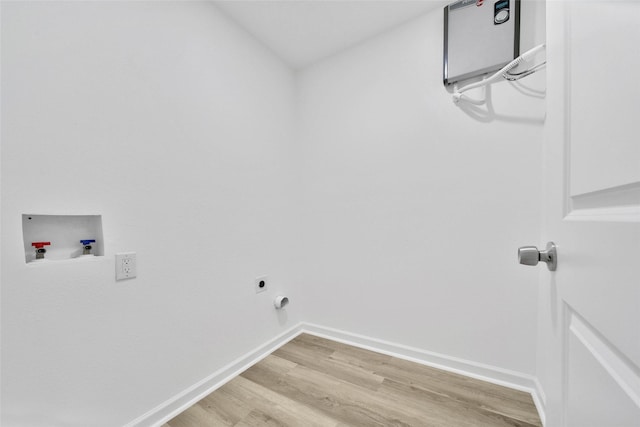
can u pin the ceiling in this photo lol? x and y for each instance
(302, 32)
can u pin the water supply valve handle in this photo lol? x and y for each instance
(86, 246)
(40, 250)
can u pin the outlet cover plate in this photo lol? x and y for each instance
(126, 266)
(261, 284)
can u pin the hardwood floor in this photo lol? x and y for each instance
(312, 381)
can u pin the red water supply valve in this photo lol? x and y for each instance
(40, 250)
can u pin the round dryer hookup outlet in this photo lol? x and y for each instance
(261, 284)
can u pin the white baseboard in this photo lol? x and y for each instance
(183, 400)
(540, 399)
(512, 379)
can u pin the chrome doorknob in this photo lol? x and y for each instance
(530, 255)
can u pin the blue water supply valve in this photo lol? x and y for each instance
(86, 249)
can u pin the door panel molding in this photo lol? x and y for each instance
(620, 203)
(621, 370)
(601, 178)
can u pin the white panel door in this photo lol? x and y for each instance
(589, 337)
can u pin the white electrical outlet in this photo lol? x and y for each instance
(126, 265)
(261, 284)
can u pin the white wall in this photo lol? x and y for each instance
(176, 127)
(415, 207)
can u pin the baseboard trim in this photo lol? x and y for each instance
(540, 399)
(177, 404)
(504, 377)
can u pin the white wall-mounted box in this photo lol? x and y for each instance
(480, 36)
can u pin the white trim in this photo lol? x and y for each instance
(183, 400)
(493, 374)
(540, 400)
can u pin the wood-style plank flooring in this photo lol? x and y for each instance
(312, 381)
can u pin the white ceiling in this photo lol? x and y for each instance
(302, 32)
